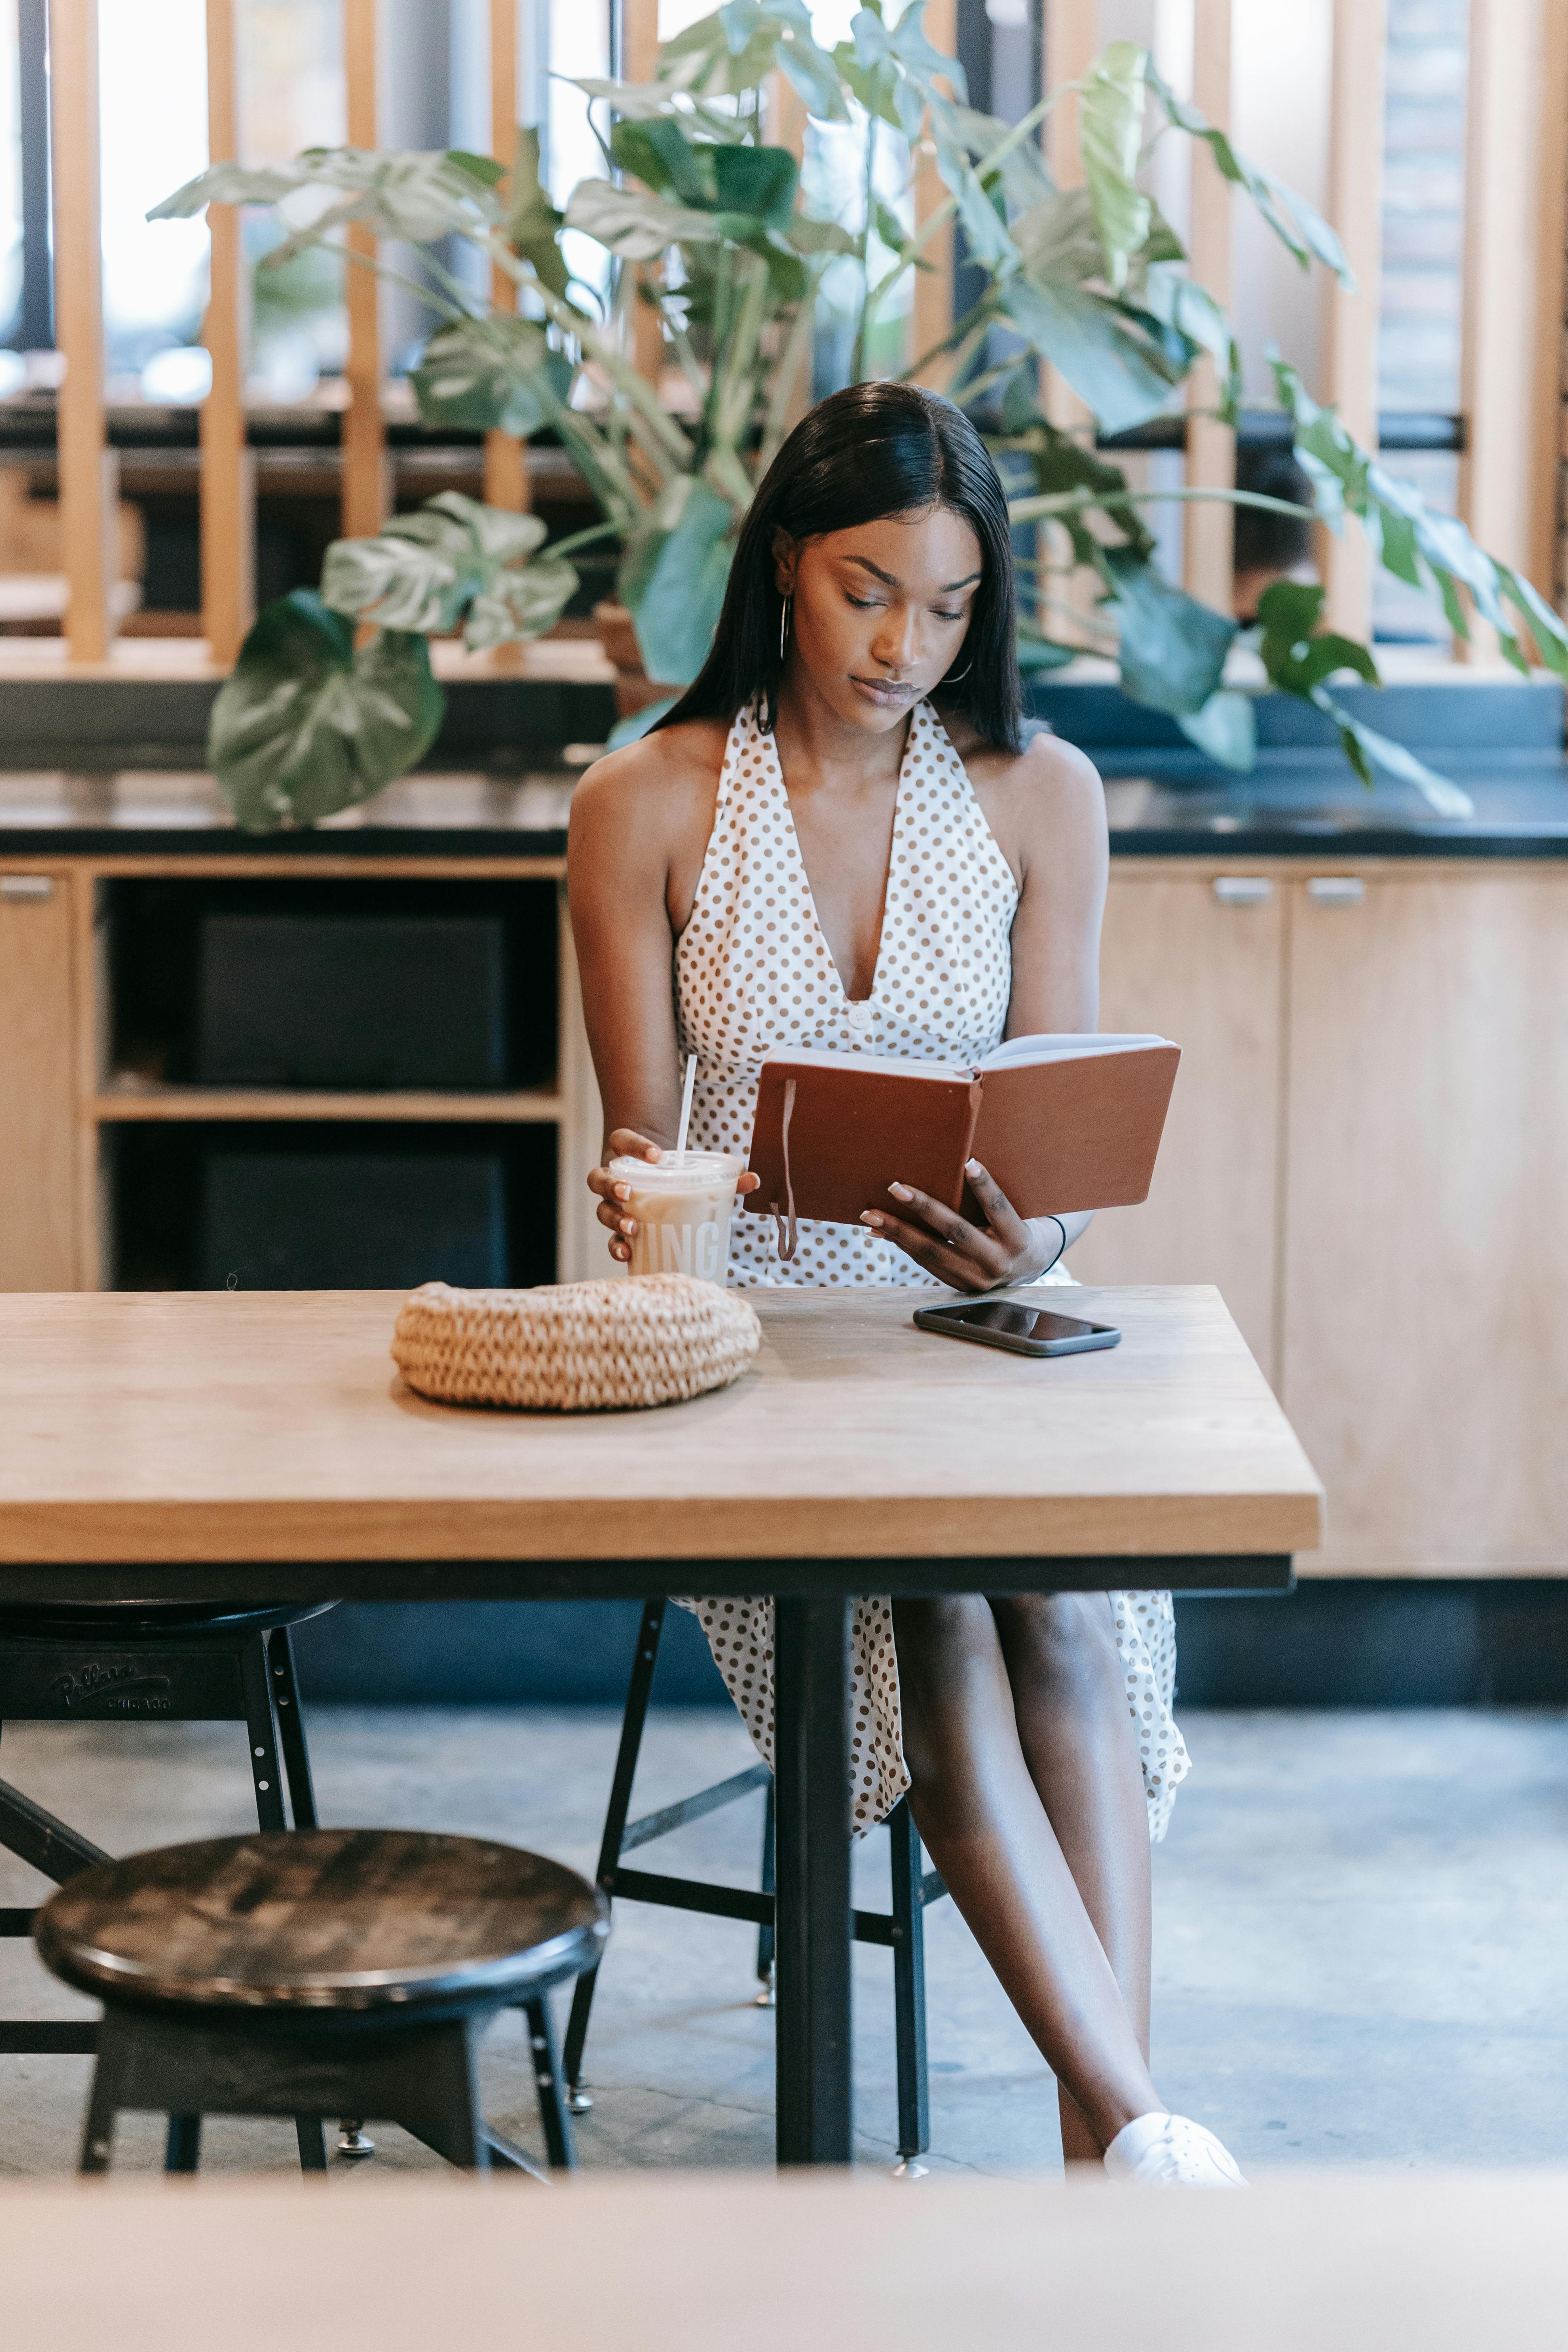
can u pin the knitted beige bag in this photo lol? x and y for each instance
(575, 1347)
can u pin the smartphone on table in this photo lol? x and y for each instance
(1023, 1328)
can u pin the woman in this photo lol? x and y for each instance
(840, 837)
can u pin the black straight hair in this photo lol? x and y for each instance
(874, 450)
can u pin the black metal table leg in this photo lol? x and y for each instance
(811, 1687)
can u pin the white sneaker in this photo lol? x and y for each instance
(1172, 2152)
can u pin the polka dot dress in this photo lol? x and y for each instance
(752, 971)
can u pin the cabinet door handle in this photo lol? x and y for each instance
(1336, 890)
(27, 886)
(1243, 889)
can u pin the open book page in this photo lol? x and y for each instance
(898, 1065)
(1065, 1046)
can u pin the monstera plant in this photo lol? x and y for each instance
(701, 220)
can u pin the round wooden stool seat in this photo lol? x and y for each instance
(354, 1922)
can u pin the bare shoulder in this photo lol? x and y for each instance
(665, 783)
(1048, 796)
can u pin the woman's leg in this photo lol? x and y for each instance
(1069, 1695)
(988, 1833)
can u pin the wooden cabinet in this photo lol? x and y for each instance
(1196, 954)
(1425, 1231)
(1368, 1152)
(37, 1083)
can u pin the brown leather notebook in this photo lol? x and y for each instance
(1063, 1123)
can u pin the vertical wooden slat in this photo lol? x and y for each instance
(786, 127)
(1355, 208)
(367, 488)
(1547, 445)
(1208, 528)
(229, 473)
(506, 457)
(932, 294)
(86, 469)
(639, 62)
(1513, 261)
(1069, 46)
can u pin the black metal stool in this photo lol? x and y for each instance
(902, 1927)
(320, 1972)
(145, 1662)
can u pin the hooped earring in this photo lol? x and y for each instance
(959, 674)
(783, 622)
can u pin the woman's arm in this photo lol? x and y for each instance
(618, 875)
(640, 821)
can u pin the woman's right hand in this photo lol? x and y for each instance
(625, 1143)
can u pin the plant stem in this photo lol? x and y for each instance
(584, 538)
(1064, 502)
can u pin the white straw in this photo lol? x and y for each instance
(686, 1101)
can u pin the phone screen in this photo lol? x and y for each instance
(1018, 1321)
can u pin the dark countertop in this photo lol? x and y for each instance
(1297, 805)
(103, 769)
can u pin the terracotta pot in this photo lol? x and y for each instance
(634, 687)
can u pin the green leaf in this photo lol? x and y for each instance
(456, 557)
(889, 227)
(635, 725)
(1062, 464)
(1173, 647)
(984, 228)
(821, 236)
(532, 224)
(1365, 749)
(1303, 231)
(1110, 129)
(397, 583)
(810, 73)
(1299, 662)
(674, 578)
(1122, 377)
(1190, 310)
(1036, 653)
(306, 725)
(665, 159)
(230, 183)
(761, 181)
(1417, 545)
(1226, 728)
(924, 64)
(1021, 176)
(521, 604)
(1058, 238)
(414, 195)
(496, 372)
(638, 227)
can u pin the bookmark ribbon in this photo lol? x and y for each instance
(784, 1221)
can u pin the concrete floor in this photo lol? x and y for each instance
(1360, 1926)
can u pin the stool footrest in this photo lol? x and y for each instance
(505, 2155)
(692, 1809)
(730, 1903)
(39, 1837)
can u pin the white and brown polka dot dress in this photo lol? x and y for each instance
(752, 971)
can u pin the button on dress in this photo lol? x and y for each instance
(752, 971)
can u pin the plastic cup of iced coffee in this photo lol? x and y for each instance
(683, 1204)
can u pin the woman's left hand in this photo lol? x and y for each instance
(967, 1257)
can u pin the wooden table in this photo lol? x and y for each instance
(1349, 2261)
(260, 1445)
